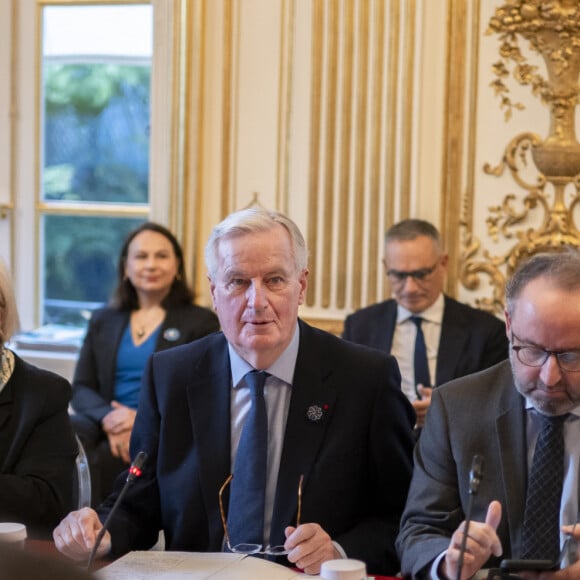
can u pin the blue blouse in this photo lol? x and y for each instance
(131, 361)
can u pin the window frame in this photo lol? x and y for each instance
(20, 231)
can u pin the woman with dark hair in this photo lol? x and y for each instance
(151, 309)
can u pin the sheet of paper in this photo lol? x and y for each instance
(256, 568)
(167, 565)
(151, 565)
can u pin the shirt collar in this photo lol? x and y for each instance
(433, 313)
(282, 368)
(530, 407)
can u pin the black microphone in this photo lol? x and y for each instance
(135, 471)
(475, 475)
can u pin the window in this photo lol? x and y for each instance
(94, 149)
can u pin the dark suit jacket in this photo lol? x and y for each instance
(356, 460)
(471, 339)
(37, 449)
(94, 378)
(490, 422)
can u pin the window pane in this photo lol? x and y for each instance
(80, 264)
(96, 91)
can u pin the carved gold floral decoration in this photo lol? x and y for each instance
(551, 28)
(548, 170)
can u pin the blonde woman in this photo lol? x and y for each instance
(37, 446)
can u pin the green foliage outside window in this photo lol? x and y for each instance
(96, 132)
(96, 149)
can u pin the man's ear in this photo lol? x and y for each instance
(212, 291)
(303, 281)
(508, 324)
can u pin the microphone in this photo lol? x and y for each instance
(135, 472)
(475, 476)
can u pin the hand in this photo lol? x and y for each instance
(482, 542)
(421, 406)
(76, 534)
(308, 546)
(119, 445)
(119, 419)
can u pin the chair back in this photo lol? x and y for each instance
(83, 478)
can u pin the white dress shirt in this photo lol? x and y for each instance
(403, 347)
(277, 394)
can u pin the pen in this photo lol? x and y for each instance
(418, 393)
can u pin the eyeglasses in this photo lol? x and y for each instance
(400, 276)
(534, 356)
(253, 549)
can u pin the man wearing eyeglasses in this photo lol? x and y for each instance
(433, 337)
(522, 417)
(269, 438)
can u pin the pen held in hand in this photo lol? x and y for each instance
(418, 392)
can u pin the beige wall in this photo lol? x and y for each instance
(332, 111)
(352, 114)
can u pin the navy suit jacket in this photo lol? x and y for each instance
(471, 339)
(94, 378)
(356, 460)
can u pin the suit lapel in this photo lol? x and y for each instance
(173, 329)
(390, 322)
(511, 439)
(209, 407)
(311, 408)
(170, 327)
(453, 338)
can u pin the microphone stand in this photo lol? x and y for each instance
(475, 476)
(135, 471)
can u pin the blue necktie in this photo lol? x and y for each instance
(420, 364)
(541, 529)
(248, 489)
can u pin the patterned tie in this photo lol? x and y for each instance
(420, 360)
(248, 488)
(541, 530)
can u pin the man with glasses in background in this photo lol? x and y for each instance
(522, 417)
(271, 437)
(433, 337)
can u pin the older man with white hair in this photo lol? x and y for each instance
(315, 431)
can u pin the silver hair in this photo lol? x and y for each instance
(250, 220)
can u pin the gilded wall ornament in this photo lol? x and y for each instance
(547, 169)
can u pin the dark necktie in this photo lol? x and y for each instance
(420, 363)
(541, 530)
(248, 489)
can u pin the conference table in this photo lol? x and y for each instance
(47, 548)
